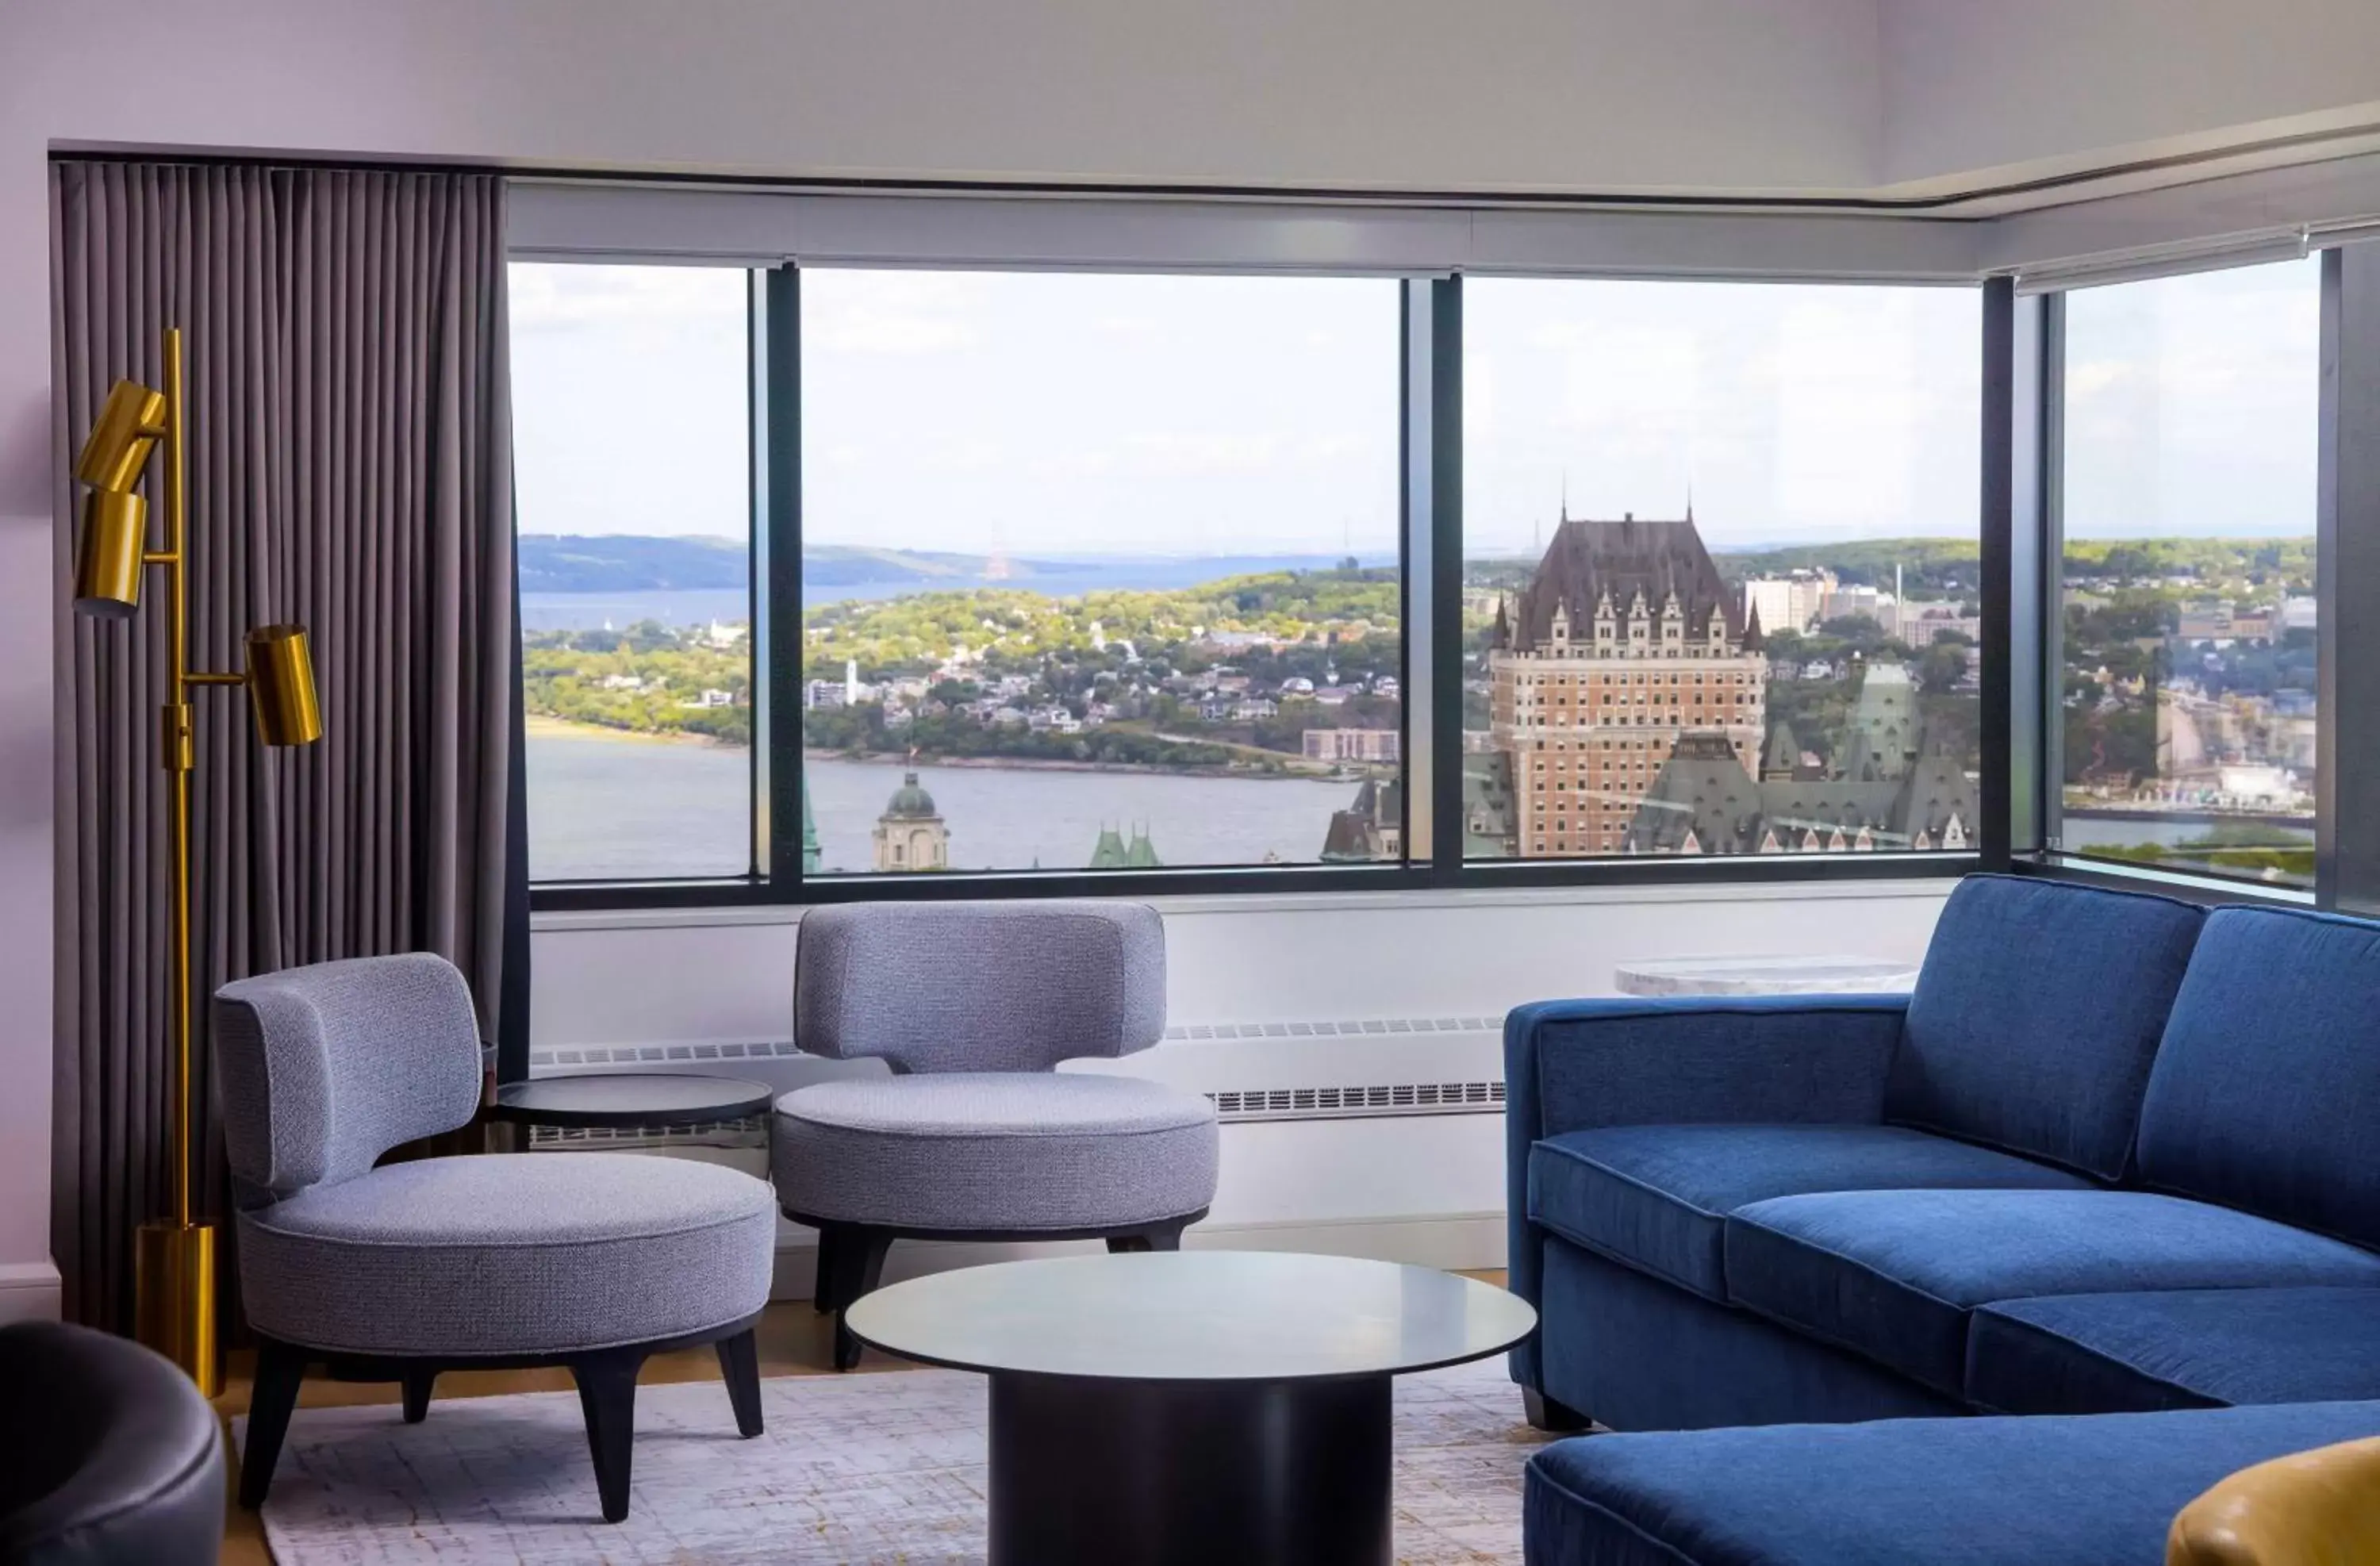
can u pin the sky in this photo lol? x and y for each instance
(1060, 413)
(2192, 404)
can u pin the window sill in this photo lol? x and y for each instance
(2210, 890)
(1919, 884)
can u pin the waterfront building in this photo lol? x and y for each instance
(1624, 638)
(1382, 745)
(911, 834)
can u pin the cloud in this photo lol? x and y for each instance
(554, 295)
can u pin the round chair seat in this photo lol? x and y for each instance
(525, 1254)
(994, 1152)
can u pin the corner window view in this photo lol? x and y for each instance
(632, 442)
(1721, 568)
(1099, 572)
(2189, 584)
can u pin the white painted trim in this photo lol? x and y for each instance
(1456, 1241)
(1931, 888)
(627, 220)
(29, 1291)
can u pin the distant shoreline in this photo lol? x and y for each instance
(1046, 764)
(564, 728)
(537, 725)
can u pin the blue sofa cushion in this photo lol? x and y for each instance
(1904, 1492)
(1657, 1196)
(2266, 1091)
(2186, 1348)
(2036, 1015)
(1893, 1274)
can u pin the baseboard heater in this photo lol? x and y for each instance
(1340, 1093)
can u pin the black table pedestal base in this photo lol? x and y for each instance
(1130, 1472)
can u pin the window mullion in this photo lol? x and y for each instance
(782, 563)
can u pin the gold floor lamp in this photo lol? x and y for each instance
(174, 1270)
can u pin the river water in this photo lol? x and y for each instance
(604, 809)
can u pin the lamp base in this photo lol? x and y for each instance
(174, 1298)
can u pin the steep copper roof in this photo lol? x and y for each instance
(1587, 560)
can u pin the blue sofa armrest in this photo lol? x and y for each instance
(1574, 1066)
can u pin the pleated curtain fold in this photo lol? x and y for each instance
(350, 468)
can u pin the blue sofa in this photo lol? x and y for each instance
(2116, 1155)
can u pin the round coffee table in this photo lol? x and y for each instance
(631, 1100)
(1199, 1407)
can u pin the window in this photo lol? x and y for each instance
(632, 470)
(1099, 572)
(1723, 539)
(2188, 695)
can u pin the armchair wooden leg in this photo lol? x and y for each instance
(830, 1267)
(607, 1392)
(739, 1366)
(279, 1369)
(864, 1269)
(416, 1385)
(1166, 1236)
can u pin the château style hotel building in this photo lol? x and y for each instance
(1624, 640)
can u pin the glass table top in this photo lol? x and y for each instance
(1193, 1315)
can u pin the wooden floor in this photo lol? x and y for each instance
(795, 1340)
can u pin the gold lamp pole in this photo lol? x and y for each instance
(174, 1273)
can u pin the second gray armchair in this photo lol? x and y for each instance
(975, 1134)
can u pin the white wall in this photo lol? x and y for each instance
(1426, 1188)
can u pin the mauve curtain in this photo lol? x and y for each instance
(350, 468)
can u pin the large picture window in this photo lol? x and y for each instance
(2188, 694)
(632, 455)
(1101, 572)
(1721, 572)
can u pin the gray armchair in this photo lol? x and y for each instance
(590, 1260)
(976, 1136)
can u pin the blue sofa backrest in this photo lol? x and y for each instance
(2266, 1094)
(2036, 1017)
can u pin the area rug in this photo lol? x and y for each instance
(881, 1467)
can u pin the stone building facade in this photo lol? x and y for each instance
(1624, 640)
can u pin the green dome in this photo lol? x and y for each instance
(910, 801)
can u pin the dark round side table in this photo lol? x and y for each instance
(626, 1100)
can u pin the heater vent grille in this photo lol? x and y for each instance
(1180, 1033)
(1319, 1100)
(1331, 1103)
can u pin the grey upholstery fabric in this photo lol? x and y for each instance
(995, 1152)
(979, 986)
(536, 1253)
(350, 470)
(326, 1068)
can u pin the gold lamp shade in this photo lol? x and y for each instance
(108, 559)
(281, 686)
(122, 438)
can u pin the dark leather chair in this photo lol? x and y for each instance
(107, 1454)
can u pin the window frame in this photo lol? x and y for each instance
(2347, 862)
(1430, 447)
